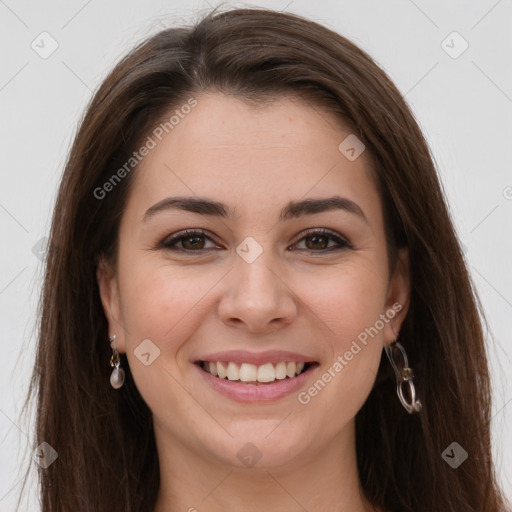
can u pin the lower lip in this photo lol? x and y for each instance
(256, 393)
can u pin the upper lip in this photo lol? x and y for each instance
(257, 358)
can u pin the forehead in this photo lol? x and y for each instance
(253, 157)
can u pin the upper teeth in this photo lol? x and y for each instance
(247, 372)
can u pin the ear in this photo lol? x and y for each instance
(110, 299)
(398, 297)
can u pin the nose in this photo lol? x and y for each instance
(257, 298)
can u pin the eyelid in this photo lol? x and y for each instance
(338, 238)
(170, 241)
(176, 237)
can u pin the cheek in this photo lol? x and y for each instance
(159, 298)
(163, 305)
(349, 304)
(346, 298)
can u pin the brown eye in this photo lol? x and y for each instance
(195, 241)
(191, 241)
(319, 241)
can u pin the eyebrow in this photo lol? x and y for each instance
(293, 209)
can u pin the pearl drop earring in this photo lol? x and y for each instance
(117, 376)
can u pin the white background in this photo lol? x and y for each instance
(463, 105)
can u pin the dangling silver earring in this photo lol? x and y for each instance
(404, 375)
(117, 376)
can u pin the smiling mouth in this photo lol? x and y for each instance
(256, 375)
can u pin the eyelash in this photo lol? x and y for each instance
(169, 243)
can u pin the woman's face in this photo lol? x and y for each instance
(255, 281)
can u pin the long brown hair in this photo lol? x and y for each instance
(104, 437)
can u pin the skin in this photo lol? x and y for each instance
(313, 302)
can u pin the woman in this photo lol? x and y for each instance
(249, 219)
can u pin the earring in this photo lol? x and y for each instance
(404, 375)
(117, 376)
